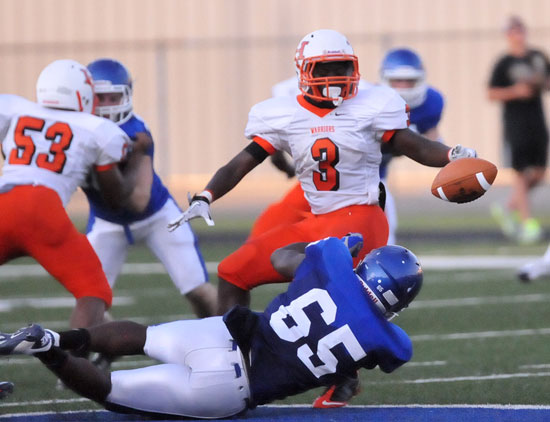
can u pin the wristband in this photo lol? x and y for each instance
(205, 196)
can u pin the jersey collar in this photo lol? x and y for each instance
(321, 112)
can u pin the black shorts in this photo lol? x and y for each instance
(528, 144)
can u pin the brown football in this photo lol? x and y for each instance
(464, 180)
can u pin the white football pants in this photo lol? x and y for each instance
(178, 250)
(203, 374)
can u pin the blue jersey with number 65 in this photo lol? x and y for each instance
(324, 327)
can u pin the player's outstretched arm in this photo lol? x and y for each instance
(225, 179)
(228, 176)
(425, 151)
(420, 148)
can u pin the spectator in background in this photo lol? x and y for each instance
(517, 81)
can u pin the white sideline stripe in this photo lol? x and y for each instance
(41, 402)
(7, 305)
(282, 406)
(427, 363)
(540, 366)
(28, 360)
(483, 181)
(471, 378)
(481, 300)
(481, 334)
(474, 262)
(35, 270)
(64, 324)
(430, 262)
(430, 406)
(144, 362)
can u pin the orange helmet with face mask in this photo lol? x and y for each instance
(326, 46)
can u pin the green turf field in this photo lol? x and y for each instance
(479, 335)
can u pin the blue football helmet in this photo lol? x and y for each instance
(111, 76)
(391, 276)
(405, 64)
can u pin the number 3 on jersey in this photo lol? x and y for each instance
(53, 160)
(342, 335)
(326, 153)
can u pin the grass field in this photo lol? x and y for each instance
(480, 336)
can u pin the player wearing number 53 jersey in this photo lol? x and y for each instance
(334, 135)
(332, 320)
(49, 148)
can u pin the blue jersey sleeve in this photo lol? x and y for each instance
(159, 192)
(134, 126)
(427, 115)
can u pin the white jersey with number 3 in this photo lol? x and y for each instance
(336, 151)
(54, 148)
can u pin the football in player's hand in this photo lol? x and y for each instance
(464, 180)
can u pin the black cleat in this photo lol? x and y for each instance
(26, 341)
(6, 388)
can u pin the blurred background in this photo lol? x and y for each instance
(198, 67)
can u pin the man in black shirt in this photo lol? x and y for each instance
(518, 79)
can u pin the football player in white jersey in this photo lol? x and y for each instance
(334, 134)
(49, 148)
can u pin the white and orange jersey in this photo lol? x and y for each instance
(54, 148)
(336, 151)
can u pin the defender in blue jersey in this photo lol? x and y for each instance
(402, 69)
(113, 233)
(332, 320)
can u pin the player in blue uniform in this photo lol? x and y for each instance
(402, 69)
(332, 320)
(112, 233)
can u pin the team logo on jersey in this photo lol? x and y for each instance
(320, 129)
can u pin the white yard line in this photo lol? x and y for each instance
(7, 305)
(467, 378)
(480, 300)
(481, 334)
(468, 262)
(293, 406)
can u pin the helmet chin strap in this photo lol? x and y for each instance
(333, 92)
